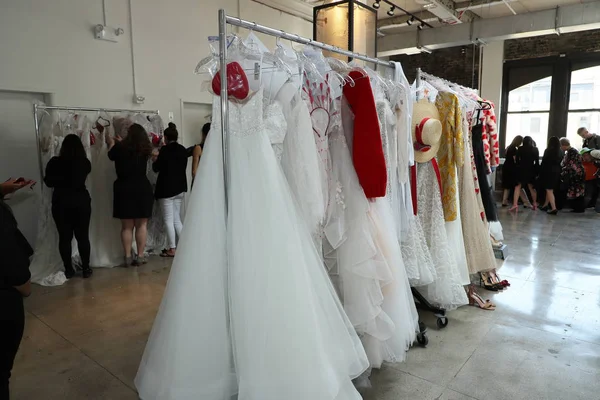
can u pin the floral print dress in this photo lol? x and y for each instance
(573, 174)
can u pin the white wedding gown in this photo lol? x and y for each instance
(290, 338)
(446, 291)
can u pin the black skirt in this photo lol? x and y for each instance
(133, 199)
(550, 178)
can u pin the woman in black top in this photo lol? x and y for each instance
(14, 285)
(196, 151)
(550, 173)
(71, 202)
(528, 160)
(510, 177)
(171, 165)
(133, 198)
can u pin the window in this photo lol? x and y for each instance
(584, 103)
(529, 111)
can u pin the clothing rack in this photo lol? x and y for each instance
(38, 107)
(225, 20)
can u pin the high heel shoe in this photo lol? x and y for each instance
(475, 298)
(87, 272)
(552, 212)
(486, 282)
(69, 272)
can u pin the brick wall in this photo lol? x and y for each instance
(552, 45)
(454, 64)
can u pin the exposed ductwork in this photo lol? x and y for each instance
(573, 18)
(442, 9)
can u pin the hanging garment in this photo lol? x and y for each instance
(446, 291)
(450, 158)
(300, 160)
(478, 247)
(367, 155)
(287, 325)
(46, 265)
(354, 258)
(487, 197)
(105, 231)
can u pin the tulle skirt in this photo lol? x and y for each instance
(292, 339)
(188, 355)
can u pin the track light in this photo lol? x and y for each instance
(410, 21)
(420, 27)
(391, 12)
(376, 4)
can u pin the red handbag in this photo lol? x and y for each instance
(237, 82)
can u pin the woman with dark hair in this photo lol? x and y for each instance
(196, 151)
(133, 198)
(71, 202)
(171, 165)
(528, 161)
(550, 174)
(573, 176)
(510, 178)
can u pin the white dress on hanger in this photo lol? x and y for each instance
(46, 265)
(105, 231)
(290, 337)
(447, 290)
(300, 159)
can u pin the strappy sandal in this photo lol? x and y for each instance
(483, 304)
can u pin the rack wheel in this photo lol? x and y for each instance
(422, 339)
(442, 322)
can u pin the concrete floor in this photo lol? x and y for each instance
(84, 340)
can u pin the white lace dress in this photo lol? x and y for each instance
(300, 160)
(290, 337)
(446, 291)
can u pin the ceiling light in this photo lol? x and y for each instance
(420, 27)
(391, 12)
(376, 4)
(410, 21)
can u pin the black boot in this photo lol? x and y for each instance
(87, 272)
(69, 272)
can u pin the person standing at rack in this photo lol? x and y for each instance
(71, 202)
(510, 177)
(133, 198)
(196, 151)
(14, 284)
(550, 174)
(171, 165)
(573, 176)
(528, 161)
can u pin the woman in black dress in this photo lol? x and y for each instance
(550, 173)
(196, 151)
(71, 202)
(528, 161)
(510, 177)
(133, 198)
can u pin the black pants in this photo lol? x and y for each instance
(72, 217)
(591, 193)
(12, 322)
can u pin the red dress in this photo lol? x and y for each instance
(367, 152)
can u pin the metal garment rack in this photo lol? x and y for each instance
(225, 20)
(37, 108)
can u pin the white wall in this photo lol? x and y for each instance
(47, 46)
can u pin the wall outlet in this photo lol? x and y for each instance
(171, 117)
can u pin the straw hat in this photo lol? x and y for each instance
(426, 131)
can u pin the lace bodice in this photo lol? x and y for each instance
(245, 119)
